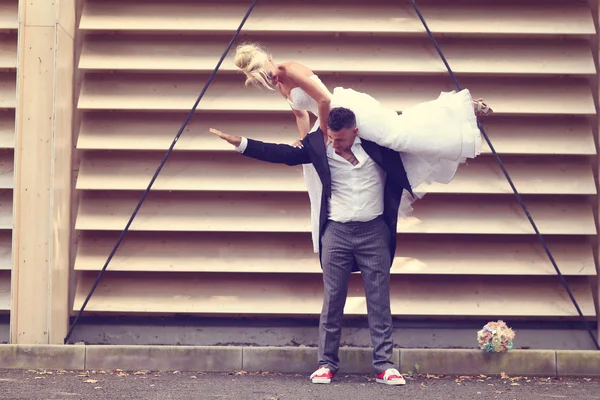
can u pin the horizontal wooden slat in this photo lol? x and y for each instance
(4, 291)
(5, 250)
(292, 253)
(231, 171)
(7, 129)
(302, 295)
(540, 136)
(381, 55)
(8, 84)
(8, 14)
(155, 131)
(6, 169)
(8, 49)
(289, 212)
(227, 93)
(491, 18)
(6, 208)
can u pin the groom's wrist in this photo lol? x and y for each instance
(241, 144)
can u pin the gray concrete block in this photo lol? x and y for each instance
(164, 358)
(304, 359)
(475, 362)
(56, 357)
(578, 363)
(360, 360)
(280, 359)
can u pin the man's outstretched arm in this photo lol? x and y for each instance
(270, 152)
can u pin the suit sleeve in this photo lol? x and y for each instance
(275, 153)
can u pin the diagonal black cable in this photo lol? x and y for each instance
(562, 279)
(137, 208)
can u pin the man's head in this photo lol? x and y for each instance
(341, 128)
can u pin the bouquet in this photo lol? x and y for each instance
(495, 337)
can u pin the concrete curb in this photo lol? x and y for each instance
(296, 360)
(42, 357)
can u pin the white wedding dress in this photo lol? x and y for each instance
(433, 138)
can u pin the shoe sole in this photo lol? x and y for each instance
(391, 383)
(321, 380)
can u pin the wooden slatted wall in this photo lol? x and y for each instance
(8, 78)
(222, 235)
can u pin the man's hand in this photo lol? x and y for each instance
(234, 140)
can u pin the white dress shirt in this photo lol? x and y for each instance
(356, 190)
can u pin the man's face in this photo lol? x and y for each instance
(342, 140)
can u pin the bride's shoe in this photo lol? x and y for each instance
(481, 108)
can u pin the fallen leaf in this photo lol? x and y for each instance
(98, 387)
(515, 384)
(91, 381)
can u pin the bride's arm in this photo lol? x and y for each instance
(313, 90)
(302, 121)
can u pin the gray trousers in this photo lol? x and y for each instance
(368, 244)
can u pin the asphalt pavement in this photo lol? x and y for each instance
(16, 384)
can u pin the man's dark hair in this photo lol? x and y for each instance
(339, 118)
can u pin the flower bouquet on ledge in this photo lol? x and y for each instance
(495, 337)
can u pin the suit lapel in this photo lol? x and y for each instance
(373, 151)
(318, 144)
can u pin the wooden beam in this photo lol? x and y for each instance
(483, 18)
(596, 47)
(41, 262)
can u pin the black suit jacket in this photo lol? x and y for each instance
(314, 152)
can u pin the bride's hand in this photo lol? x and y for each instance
(297, 144)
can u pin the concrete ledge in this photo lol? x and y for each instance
(578, 363)
(304, 359)
(474, 362)
(296, 359)
(164, 358)
(281, 359)
(42, 357)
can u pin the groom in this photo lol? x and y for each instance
(362, 187)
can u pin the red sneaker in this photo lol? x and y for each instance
(322, 375)
(391, 376)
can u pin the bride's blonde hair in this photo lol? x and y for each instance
(251, 59)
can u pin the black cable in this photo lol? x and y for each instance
(137, 208)
(562, 279)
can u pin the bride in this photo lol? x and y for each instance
(433, 138)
